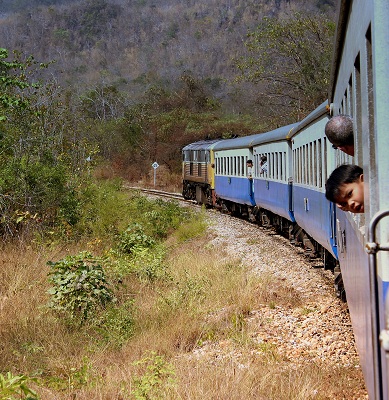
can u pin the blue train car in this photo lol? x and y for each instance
(232, 186)
(360, 87)
(312, 165)
(273, 185)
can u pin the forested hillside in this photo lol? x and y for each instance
(137, 43)
(106, 87)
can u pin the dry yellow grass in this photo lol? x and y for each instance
(205, 301)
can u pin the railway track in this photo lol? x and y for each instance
(161, 193)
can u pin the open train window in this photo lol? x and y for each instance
(358, 110)
(310, 172)
(314, 165)
(325, 167)
(281, 167)
(275, 165)
(370, 98)
(320, 161)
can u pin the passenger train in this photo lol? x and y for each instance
(290, 194)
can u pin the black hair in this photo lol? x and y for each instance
(249, 161)
(263, 158)
(346, 173)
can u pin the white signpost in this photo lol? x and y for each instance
(155, 165)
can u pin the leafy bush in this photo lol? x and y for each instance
(158, 376)
(134, 238)
(79, 287)
(13, 387)
(164, 217)
(149, 265)
(102, 207)
(117, 324)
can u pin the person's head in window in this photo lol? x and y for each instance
(345, 188)
(249, 164)
(340, 132)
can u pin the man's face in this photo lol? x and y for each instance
(348, 149)
(351, 197)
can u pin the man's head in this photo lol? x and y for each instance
(249, 163)
(340, 132)
(345, 188)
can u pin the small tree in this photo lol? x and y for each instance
(290, 57)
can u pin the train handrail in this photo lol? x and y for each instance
(372, 248)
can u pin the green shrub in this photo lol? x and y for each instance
(102, 207)
(117, 324)
(188, 293)
(149, 265)
(158, 376)
(164, 217)
(14, 387)
(134, 238)
(79, 286)
(193, 228)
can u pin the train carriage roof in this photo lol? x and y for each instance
(253, 140)
(312, 117)
(201, 145)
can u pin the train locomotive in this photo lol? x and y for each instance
(290, 195)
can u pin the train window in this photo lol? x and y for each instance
(302, 158)
(350, 96)
(319, 163)
(303, 164)
(306, 162)
(199, 165)
(325, 158)
(242, 165)
(271, 165)
(276, 165)
(281, 168)
(314, 164)
(370, 94)
(310, 160)
(358, 109)
(345, 103)
(191, 168)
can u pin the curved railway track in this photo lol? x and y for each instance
(161, 193)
